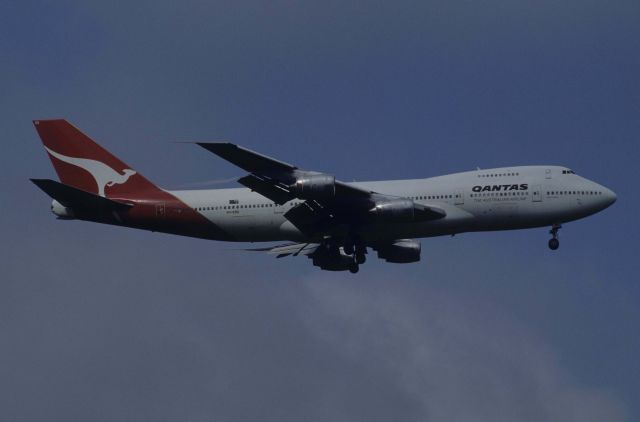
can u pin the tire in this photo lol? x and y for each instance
(348, 249)
(554, 244)
(361, 258)
(354, 268)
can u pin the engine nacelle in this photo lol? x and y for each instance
(397, 210)
(61, 211)
(314, 186)
(401, 251)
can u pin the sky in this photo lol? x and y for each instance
(104, 323)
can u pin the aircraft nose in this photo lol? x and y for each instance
(610, 196)
(607, 198)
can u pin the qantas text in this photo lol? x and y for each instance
(497, 188)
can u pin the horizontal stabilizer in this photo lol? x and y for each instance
(78, 199)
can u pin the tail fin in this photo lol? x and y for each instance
(85, 165)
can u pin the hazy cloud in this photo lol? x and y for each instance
(455, 360)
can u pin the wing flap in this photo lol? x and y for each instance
(309, 217)
(288, 249)
(267, 188)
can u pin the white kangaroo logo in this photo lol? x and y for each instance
(102, 173)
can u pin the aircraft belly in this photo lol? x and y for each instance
(521, 215)
(251, 228)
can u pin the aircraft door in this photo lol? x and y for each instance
(536, 193)
(458, 197)
(160, 210)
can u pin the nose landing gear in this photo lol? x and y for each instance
(554, 243)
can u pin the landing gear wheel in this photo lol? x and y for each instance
(554, 243)
(348, 249)
(353, 268)
(360, 258)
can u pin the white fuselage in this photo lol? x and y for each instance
(480, 200)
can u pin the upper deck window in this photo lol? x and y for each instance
(568, 172)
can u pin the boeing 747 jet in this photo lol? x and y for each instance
(333, 223)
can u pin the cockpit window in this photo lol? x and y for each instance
(568, 172)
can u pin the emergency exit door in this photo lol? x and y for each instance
(536, 193)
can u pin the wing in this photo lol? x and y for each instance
(246, 159)
(268, 176)
(328, 203)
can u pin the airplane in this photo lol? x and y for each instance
(333, 223)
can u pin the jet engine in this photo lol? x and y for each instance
(397, 210)
(314, 186)
(400, 251)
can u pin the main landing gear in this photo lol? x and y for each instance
(554, 243)
(359, 258)
(354, 268)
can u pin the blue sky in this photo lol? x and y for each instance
(106, 323)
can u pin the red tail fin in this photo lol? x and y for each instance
(83, 164)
